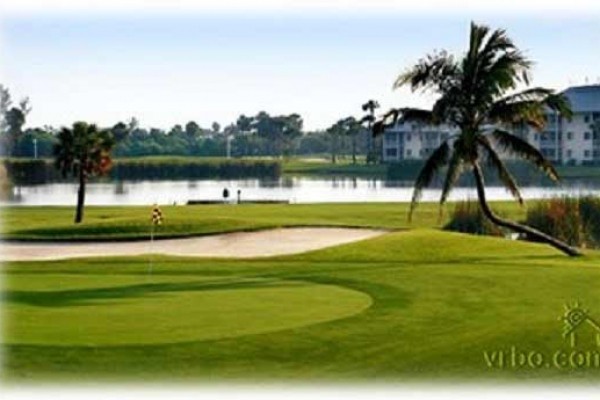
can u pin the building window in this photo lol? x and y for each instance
(586, 154)
(390, 137)
(549, 153)
(596, 153)
(408, 153)
(408, 137)
(586, 136)
(569, 153)
(569, 135)
(586, 118)
(548, 135)
(391, 152)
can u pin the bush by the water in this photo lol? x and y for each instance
(181, 168)
(589, 209)
(5, 185)
(28, 171)
(467, 217)
(574, 220)
(22, 170)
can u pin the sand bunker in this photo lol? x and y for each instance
(236, 245)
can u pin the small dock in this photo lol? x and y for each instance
(258, 201)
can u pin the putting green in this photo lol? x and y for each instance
(81, 310)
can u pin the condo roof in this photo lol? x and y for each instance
(584, 98)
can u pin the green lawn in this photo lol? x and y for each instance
(409, 305)
(113, 223)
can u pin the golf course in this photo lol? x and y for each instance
(412, 303)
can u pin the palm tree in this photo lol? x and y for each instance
(82, 152)
(477, 96)
(369, 107)
(352, 128)
(335, 131)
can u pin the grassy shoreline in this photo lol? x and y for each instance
(299, 166)
(133, 222)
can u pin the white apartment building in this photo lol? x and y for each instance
(562, 141)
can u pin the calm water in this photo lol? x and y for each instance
(295, 190)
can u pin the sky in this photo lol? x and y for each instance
(168, 68)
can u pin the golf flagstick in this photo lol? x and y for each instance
(151, 249)
(156, 220)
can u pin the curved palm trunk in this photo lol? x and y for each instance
(530, 232)
(80, 197)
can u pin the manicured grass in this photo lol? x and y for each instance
(113, 223)
(436, 302)
(128, 311)
(579, 171)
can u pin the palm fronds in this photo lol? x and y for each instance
(505, 176)
(430, 72)
(521, 148)
(455, 169)
(434, 163)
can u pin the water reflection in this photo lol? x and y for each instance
(292, 189)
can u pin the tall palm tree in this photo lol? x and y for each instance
(335, 132)
(369, 107)
(477, 95)
(82, 152)
(352, 128)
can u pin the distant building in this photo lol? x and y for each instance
(563, 141)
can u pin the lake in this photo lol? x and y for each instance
(294, 190)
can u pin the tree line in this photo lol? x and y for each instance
(249, 136)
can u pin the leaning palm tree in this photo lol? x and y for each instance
(82, 152)
(477, 97)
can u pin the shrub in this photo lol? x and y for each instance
(589, 210)
(28, 171)
(574, 220)
(467, 217)
(5, 184)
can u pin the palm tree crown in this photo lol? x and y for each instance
(478, 96)
(83, 151)
(83, 148)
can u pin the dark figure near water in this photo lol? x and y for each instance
(239, 196)
(225, 194)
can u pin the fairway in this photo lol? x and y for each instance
(94, 310)
(417, 304)
(112, 223)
